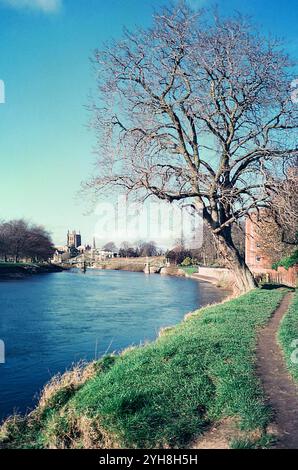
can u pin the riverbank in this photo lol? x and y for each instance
(219, 277)
(21, 270)
(49, 322)
(164, 394)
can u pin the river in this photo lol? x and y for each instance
(50, 321)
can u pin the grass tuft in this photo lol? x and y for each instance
(288, 337)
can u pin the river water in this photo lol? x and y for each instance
(50, 321)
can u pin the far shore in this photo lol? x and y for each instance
(13, 271)
(138, 265)
(22, 270)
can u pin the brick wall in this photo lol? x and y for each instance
(288, 277)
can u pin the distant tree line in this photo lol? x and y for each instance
(20, 240)
(130, 250)
(207, 254)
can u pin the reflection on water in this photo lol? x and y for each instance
(50, 321)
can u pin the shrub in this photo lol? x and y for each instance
(287, 262)
(187, 261)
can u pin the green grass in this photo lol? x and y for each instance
(167, 392)
(12, 265)
(189, 269)
(288, 337)
(288, 261)
(264, 442)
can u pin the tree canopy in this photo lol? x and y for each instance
(20, 239)
(196, 108)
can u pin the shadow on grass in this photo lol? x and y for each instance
(272, 286)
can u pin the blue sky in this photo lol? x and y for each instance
(45, 146)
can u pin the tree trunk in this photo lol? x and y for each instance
(244, 280)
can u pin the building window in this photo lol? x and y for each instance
(258, 259)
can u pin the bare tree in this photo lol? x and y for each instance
(238, 235)
(16, 238)
(4, 245)
(195, 109)
(19, 239)
(283, 205)
(278, 226)
(38, 245)
(270, 238)
(147, 248)
(178, 254)
(127, 250)
(110, 246)
(207, 254)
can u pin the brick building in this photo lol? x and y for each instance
(254, 257)
(259, 263)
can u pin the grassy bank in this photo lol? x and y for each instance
(19, 270)
(163, 394)
(9, 265)
(189, 270)
(288, 337)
